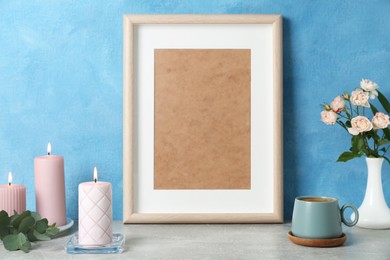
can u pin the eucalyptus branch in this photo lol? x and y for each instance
(18, 231)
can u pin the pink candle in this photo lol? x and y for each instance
(50, 187)
(95, 212)
(12, 197)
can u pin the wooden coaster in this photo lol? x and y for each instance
(317, 242)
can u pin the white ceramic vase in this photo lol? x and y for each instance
(374, 212)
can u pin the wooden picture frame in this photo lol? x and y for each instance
(137, 32)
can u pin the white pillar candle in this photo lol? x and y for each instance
(95, 212)
(12, 197)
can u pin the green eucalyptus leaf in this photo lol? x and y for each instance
(4, 232)
(41, 237)
(26, 224)
(4, 219)
(21, 238)
(384, 102)
(26, 246)
(3, 213)
(23, 243)
(11, 242)
(12, 218)
(41, 225)
(36, 216)
(13, 230)
(52, 230)
(30, 236)
(18, 219)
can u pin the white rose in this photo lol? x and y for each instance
(380, 120)
(328, 117)
(360, 98)
(360, 124)
(370, 87)
(337, 104)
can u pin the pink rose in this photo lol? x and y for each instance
(337, 104)
(328, 117)
(380, 120)
(360, 124)
(360, 98)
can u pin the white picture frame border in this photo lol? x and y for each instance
(130, 214)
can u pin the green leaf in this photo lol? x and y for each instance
(36, 216)
(21, 238)
(373, 134)
(41, 237)
(16, 221)
(357, 143)
(41, 225)
(13, 217)
(23, 243)
(26, 224)
(26, 246)
(3, 213)
(11, 242)
(383, 141)
(13, 230)
(384, 102)
(30, 236)
(386, 131)
(4, 219)
(52, 230)
(346, 156)
(4, 232)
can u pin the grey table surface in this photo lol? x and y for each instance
(236, 241)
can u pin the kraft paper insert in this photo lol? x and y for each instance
(202, 119)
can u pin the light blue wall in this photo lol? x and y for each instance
(61, 81)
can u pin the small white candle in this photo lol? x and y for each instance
(12, 197)
(95, 212)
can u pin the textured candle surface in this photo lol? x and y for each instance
(95, 213)
(50, 188)
(12, 197)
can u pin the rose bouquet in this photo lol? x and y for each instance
(368, 137)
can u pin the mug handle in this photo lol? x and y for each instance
(345, 221)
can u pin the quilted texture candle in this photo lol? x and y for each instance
(50, 187)
(12, 197)
(95, 212)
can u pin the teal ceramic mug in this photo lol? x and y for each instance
(320, 217)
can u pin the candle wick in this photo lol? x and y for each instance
(95, 180)
(9, 184)
(48, 153)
